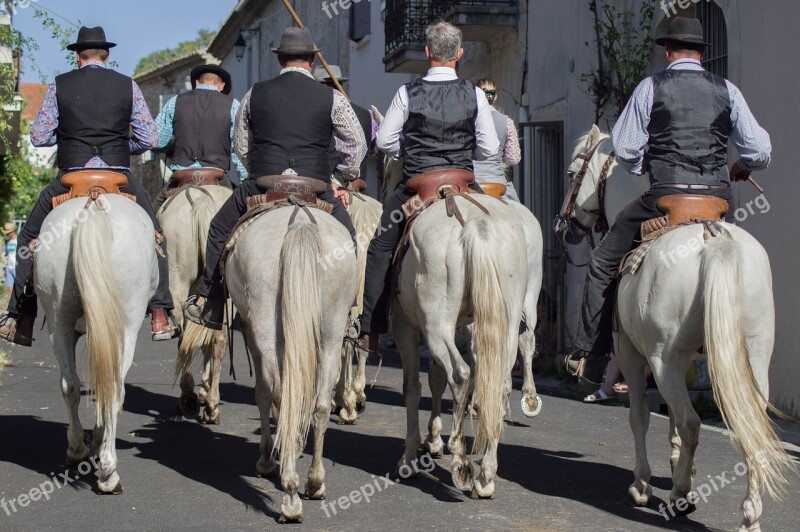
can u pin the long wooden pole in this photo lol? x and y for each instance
(299, 23)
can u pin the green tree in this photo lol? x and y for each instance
(21, 182)
(164, 57)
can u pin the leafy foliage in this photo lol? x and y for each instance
(20, 183)
(164, 57)
(624, 45)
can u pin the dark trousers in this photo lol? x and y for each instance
(225, 220)
(162, 195)
(377, 283)
(19, 303)
(596, 313)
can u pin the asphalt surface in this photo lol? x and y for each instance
(568, 468)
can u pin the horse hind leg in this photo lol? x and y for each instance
(671, 380)
(406, 338)
(210, 414)
(188, 402)
(531, 402)
(360, 382)
(63, 341)
(437, 381)
(633, 365)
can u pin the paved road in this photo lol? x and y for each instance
(567, 469)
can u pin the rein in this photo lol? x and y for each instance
(566, 217)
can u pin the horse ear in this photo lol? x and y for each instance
(376, 114)
(594, 136)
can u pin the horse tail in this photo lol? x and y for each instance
(195, 338)
(301, 313)
(105, 330)
(203, 210)
(486, 284)
(743, 407)
(365, 215)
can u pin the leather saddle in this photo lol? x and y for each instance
(197, 176)
(429, 186)
(281, 187)
(496, 190)
(92, 183)
(682, 209)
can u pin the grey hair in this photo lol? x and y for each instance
(443, 40)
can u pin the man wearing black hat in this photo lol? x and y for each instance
(284, 126)
(675, 128)
(88, 113)
(364, 117)
(199, 124)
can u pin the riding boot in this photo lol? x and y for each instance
(209, 313)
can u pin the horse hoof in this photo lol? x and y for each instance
(346, 417)
(482, 493)
(202, 397)
(189, 406)
(637, 501)
(463, 478)
(116, 490)
(315, 494)
(531, 406)
(210, 419)
(360, 407)
(267, 469)
(690, 508)
(291, 509)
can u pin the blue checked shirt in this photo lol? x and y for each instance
(630, 132)
(164, 124)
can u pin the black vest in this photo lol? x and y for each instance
(365, 121)
(202, 127)
(440, 129)
(290, 118)
(94, 117)
(690, 125)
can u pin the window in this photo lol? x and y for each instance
(716, 33)
(360, 14)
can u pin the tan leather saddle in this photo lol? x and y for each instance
(92, 183)
(496, 190)
(281, 187)
(681, 209)
(197, 176)
(428, 186)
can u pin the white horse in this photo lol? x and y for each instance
(667, 312)
(530, 403)
(294, 286)
(185, 219)
(104, 270)
(450, 276)
(350, 398)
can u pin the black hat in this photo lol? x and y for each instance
(91, 38)
(684, 30)
(320, 74)
(212, 69)
(296, 41)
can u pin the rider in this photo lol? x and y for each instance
(436, 122)
(291, 119)
(202, 122)
(491, 170)
(368, 125)
(676, 127)
(88, 113)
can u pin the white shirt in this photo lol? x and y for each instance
(390, 133)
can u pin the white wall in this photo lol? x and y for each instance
(762, 64)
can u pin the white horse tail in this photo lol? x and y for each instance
(301, 312)
(743, 407)
(203, 210)
(365, 215)
(105, 330)
(488, 294)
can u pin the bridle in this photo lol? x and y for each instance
(566, 217)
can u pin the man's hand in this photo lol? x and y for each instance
(739, 173)
(341, 193)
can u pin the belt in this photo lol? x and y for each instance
(684, 186)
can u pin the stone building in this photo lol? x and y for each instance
(158, 86)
